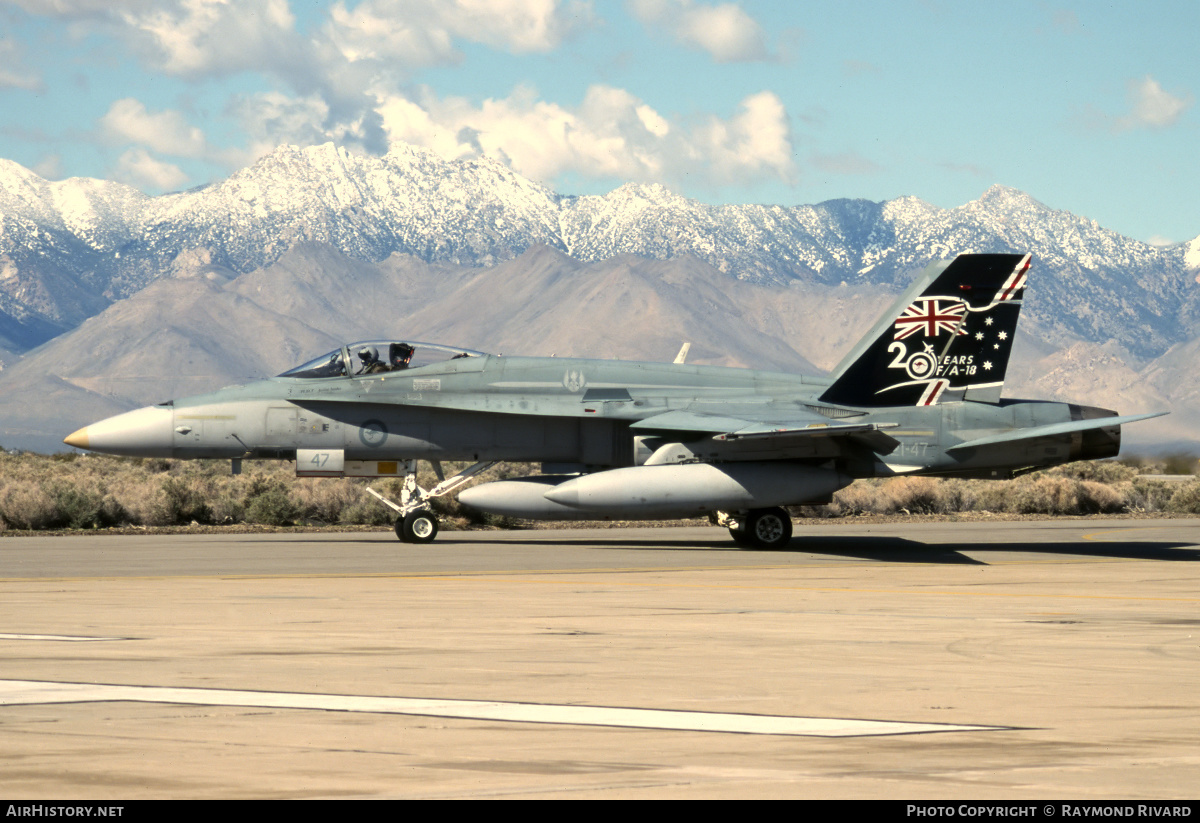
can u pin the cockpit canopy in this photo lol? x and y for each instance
(377, 357)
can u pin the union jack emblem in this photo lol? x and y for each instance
(931, 318)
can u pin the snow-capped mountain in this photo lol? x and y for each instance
(68, 249)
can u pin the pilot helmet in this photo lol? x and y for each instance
(368, 354)
(400, 354)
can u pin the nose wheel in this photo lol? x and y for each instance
(420, 526)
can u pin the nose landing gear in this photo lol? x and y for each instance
(417, 523)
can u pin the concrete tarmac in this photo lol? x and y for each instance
(1011, 660)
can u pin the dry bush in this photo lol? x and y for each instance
(912, 495)
(26, 507)
(1150, 495)
(1186, 499)
(957, 495)
(1100, 471)
(858, 498)
(1099, 498)
(182, 500)
(1043, 495)
(1061, 495)
(272, 505)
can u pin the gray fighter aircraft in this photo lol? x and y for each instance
(920, 394)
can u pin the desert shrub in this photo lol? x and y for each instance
(1050, 494)
(368, 512)
(958, 495)
(911, 495)
(1149, 495)
(991, 495)
(228, 505)
(858, 498)
(1098, 498)
(1186, 499)
(272, 506)
(181, 501)
(58, 504)
(26, 507)
(324, 500)
(77, 507)
(1042, 495)
(1099, 471)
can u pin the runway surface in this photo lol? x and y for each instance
(1044, 659)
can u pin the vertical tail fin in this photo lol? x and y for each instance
(948, 337)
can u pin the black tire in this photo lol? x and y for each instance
(740, 536)
(400, 530)
(420, 526)
(768, 528)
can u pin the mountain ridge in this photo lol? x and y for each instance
(70, 248)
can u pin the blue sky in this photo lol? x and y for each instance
(1088, 107)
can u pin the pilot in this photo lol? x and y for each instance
(371, 364)
(400, 355)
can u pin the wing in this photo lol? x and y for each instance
(758, 432)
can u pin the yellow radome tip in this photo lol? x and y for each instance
(78, 439)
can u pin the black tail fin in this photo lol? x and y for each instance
(947, 338)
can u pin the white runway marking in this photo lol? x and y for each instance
(33, 692)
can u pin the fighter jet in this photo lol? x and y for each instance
(920, 394)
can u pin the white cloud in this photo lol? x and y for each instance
(611, 134)
(11, 74)
(272, 119)
(726, 31)
(77, 8)
(423, 32)
(755, 143)
(1151, 107)
(195, 37)
(359, 53)
(342, 80)
(374, 30)
(166, 132)
(139, 169)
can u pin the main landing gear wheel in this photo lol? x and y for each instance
(420, 526)
(764, 529)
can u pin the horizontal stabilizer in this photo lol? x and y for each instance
(1052, 431)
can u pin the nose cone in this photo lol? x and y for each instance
(139, 433)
